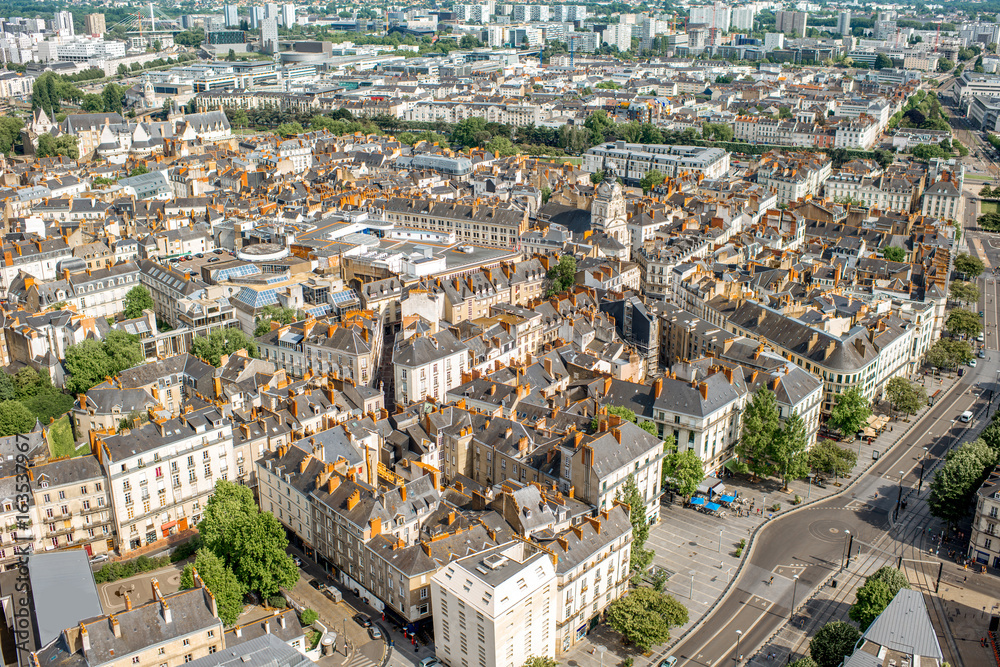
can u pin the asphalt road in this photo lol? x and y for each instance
(757, 605)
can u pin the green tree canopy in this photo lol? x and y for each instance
(850, 412)
(833, 642)
(15, 418)
(905, 396)
(64, 145)
(963, 291)
(956, 482)
(213, 347)
(894, 254)
(761, 425)
(89, 362)
(788, 451)
(644, 617)
(652, 179)
(274, 313)
(874, 596)
(969, 265)
(250, 542)
(220, 581)
(882, 61)
(137, 300)
(684, 469)
(829, 457)
(562, 276)
(540, 661)
(629, 494)
(964, 322)
(949, 353)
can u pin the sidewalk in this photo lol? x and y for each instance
(687, 542)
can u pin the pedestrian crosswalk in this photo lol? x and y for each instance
(359, 659)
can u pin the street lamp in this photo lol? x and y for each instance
(899, 496)
(923, 460)
(810, 492)
(691, 592)
(720, 540)
(601, 649)
(795, 583)
(847, 549)
(739, 656)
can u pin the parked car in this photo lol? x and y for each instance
(972, 362)
(669, 661)
(315, 583)
(362, 620)
(430, 661)
(297, 561)
(99, 558)
(374, 632)
(982, 354)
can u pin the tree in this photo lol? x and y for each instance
(829, 457)
(905, 396)
(874, 596)
(562, 275)
(788, 450)
(123, 349)
(969, 265)
(220, 581)
(985, 191)
(956, 482)
(597, 177)
(92, 103)
(945, 65)
(804, 661)
(546, 194)
(219, 343)
(964, 292)
(882, 61)
(470, 132)
(139, 170)
(273, 313)
(90, 361)
(15, 418)
(652, 179)
(949, 353)
(540, 661)
(964, 322)
(629, 494)
(851, 412)
(469, 42)
(501, 146)
(833, 643)
(684, 469)
(310, 616)
(761, 424)
(894, 254)
(250, 542)
(10, 133)
(644, 617)
(114, 97)
(65, 145)
(137, 300)
(289, 129)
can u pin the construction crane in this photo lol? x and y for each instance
(937, 38)
(572, 43)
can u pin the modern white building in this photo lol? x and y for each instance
(743, 17)
(80, 49)
(618, 34)
(715, 15)
(633, 161)
(62, 24)
(496, 608)
(269, 35)
(288, 16)
(232, 15)
(844, 23)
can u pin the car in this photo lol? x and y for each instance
(669, 661)
(199, 255)
(374, 632)
(218, 251)
(430, 661)
(972, 362)
(99, 558)
(213, 259)
(315, 583)
(297, 561)
(362, 620)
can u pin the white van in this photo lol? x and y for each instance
(966, 416)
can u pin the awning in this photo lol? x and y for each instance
(728, 499)
(715, 507)
(697, 501)
(168, 525)
(711, 485)
(732, 465)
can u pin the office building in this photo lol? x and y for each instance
(232, 15)
(791, 23)
(96, 25)
(632, 161)
(844, 23)
(774, 41)
(618, 35)
(269, 35)
(62, 24)
(715, 15)
(742, 18)
(288, 16)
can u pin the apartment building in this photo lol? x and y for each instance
(492, 226)
(98, 293)
(172, 289)
(592, 571)
(350, 349)
(633, 161)
(427, 366)
(161, 474)
(495, 607)
(39, 258)
(791, 22)
(73, 506)
(984, 540)
(793, 176)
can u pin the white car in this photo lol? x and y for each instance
(972, 362)
(99, 558)
(430, 662)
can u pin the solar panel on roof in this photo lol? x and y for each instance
(343, 297)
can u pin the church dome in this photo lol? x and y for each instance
(608, 188)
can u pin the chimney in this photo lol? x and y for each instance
(618, 435)
(658, 387)
(402, 492)
(84, 638)
(376, 526)
(116, 627)
(128, 601)
(332, 484)
(168, 616)
(607, 385)
(572, 492)
(353, 499)
(548, 366)
(703, 388)
(451, 517)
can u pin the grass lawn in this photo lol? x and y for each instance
(61, 439)
(558, 159)
(987, 207)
